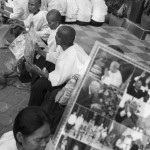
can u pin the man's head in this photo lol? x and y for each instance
(34, 6)
(94, 87)
(114, 66)
(53, 18)
(65, 36)
(138, 84)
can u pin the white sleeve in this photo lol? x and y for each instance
(17, 11)
(44, 32)
(63, 69)
(28, 21)
(52, 57)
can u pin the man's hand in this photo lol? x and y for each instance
(143, 74)
(30, 67)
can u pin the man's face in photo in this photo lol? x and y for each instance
(138, 85)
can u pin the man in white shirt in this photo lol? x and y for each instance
(113, 76)
(20, 10)
(73, 60)
(38, 18)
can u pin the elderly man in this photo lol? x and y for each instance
(73, 60)
(89, 95)
(113, 76)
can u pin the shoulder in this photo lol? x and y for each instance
(7, 142)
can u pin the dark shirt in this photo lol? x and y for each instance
(136, 93)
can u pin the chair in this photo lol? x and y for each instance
(135, 29)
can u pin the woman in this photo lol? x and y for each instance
(31, 131)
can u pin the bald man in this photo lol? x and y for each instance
(73, 60)
(38, 18)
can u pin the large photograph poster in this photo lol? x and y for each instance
(111, 108)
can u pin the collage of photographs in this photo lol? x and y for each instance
(112, 109)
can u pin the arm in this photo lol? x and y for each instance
(41, 52)
(140, 76)
(33, 69)
(6, 13)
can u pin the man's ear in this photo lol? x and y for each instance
(19, 137)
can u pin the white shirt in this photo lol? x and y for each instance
(40, 23)
(84, 10)
(72, 61)
(99, 10)
(78, 123)
(72, 119)
(114, 79)
(20, 9)
(59, 5)
(53, 50)
(51, 39)
(7, 141)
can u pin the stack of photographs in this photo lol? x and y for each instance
(112, 107)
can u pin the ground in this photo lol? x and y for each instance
(12, 99)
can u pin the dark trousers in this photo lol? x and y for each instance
(39, 85)
(54, 110)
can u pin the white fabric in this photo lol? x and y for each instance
(40, 24)
(71, 11)
(9, 3)
(20, 9)
(78, 123)
(84, 10)
(59, 5)
(114, 79)
(99, 10)
(7, 141)
(72, 119)
(53, 50)
(52, 56)
(51, 40)
(72, 61)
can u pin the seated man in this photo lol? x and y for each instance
(20, 10)
(73, 60)
(113, 76)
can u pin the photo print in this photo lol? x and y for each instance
(134, 108)
(139, 86)
(99, 97)
(122, 138)
(67, 143)
(112, 70)
(87, 126)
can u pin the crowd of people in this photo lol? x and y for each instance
(72, 11)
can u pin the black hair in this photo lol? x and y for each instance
(40, 1)
(56, 14)
(67, 35)
(115, 47)
(29, 120)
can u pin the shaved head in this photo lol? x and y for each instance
(54, 14)
(67, 35)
